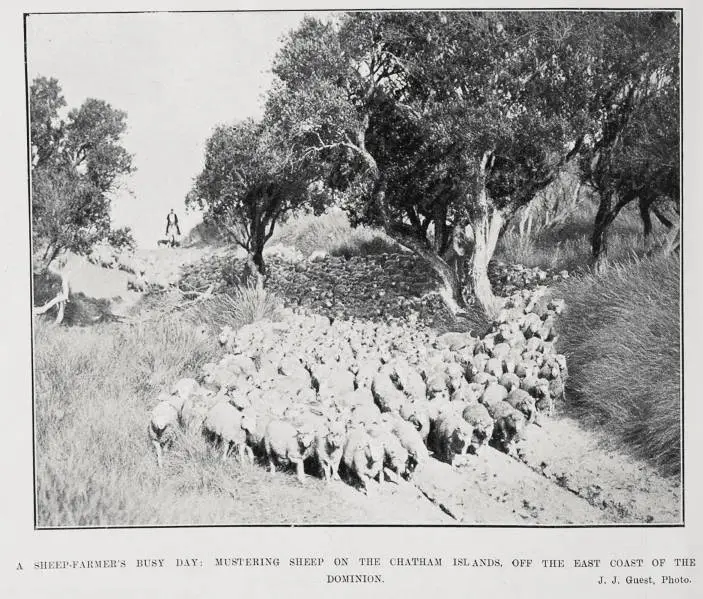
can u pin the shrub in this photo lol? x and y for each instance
(122, 239)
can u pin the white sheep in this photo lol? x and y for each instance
(395, 455)
(510, 381)
(480, 420)
(417, 413)
(411, 439)
(509, 425)
(493, 393)
(363, 456)
(388, 397)
(329, 446)
(524, 403)
(453, 436)
(230, 427)
(283, 443)
(163, 425)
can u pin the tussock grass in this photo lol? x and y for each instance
(332, 233)
(568, 246)
(621, 336)
(243, 305)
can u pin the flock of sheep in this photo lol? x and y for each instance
(363, 400)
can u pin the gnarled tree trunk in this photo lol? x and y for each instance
(486, 222)
(604, 218)
(486, 232)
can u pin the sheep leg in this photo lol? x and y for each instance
(249, 454)
(225, 450)
(299, 471)
(159, 453)
(272, 466)
(334, 468)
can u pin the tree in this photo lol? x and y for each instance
(633, 152)
(249, 182)
(77, 162)
(454, 119)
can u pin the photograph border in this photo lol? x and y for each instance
(682, 524)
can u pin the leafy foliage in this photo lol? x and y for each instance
(122, 239)
(248, 183)
(77, 162)
(431, 121)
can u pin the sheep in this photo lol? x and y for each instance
(436, 382)
(409, 380)
(479, 361)
(556, 390)
(329, 446)
(194, 410)
(468, 392)
(226, 335)
(484, 378)
(509, 425)
(255, 436)
(163, 425)
(226, 423)
(535, 386)
(549, 370)
(526, 369)
(510, 381)
(387, 396)
(410, 439)
(524, 403)
(494, 366)
(501, 351)
(417, 414)
(185, 387)
(534, 344)
(478, 417)
(363, 456)
(493, 394)
(364, 414)
(395, 455)
(453, 436)
(557, 305)
(284, 444)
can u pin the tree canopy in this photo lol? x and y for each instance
(442, 125)
(248, 183)
(77, 162)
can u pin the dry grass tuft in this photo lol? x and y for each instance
(621, 335)
(333, 234)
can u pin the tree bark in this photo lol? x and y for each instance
(599, 239)
(644, 207)
(604, 218)
(486, 222)
(486, 233)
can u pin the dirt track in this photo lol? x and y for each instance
(563, 479)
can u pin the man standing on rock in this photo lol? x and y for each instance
(172, 227)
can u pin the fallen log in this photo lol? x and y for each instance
(61, 298)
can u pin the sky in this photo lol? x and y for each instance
(176, 75)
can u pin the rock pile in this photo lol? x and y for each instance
(376, 287)
(368, 399)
